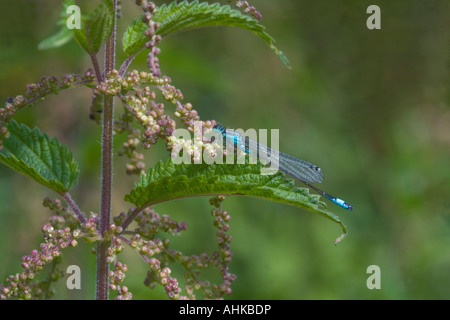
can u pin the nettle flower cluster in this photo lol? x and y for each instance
(135, 91)
(149, 9)
(157, 253)
(248, 8)
(62, 231)
(35, 92)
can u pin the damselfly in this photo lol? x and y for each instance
(300, 169)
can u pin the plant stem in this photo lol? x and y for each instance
(98, 73)
(130, 218)
(74, 207)
(107, 148)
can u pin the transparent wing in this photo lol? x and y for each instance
(293, 166)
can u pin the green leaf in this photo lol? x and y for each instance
(96, 27)
(64, 34)
(177, 17)
(168, 181)
(59, 39)
(35, 155)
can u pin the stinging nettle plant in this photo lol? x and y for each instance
(143, 121)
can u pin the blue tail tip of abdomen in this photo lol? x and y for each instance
(342, 203)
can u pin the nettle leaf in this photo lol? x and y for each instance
(168, 181)
(35, 155)
(177, 17)
(96, 27)
(59, 39)
(64, 34)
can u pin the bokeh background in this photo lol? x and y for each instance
(370, 107)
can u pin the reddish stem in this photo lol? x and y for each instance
(107, 148)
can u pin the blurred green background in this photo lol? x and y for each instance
(370, 107)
